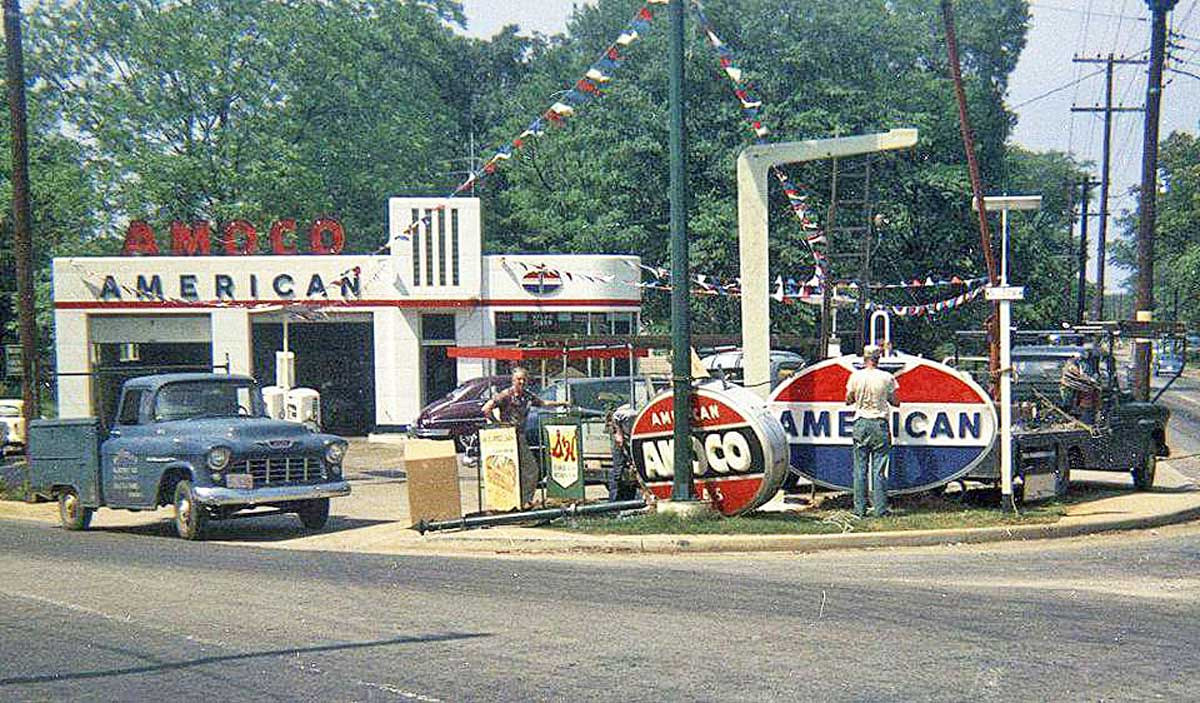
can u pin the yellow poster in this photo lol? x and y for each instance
(501, 477)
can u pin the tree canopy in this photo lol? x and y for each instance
(263, 109)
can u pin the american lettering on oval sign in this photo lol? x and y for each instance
(945, 425)
(237, 238)
(738, 450)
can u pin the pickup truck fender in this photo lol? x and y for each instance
(172, 474)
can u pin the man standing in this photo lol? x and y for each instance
(872, 392)
(511, 406)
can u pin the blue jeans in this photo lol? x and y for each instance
(617, 490)
(872, 446)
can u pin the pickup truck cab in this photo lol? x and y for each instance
(200, 442)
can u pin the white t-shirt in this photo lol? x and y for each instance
(868, 391)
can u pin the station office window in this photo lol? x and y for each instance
(511, 327)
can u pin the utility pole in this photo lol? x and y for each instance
(985, 232)
(1102, 240)
(1146, 203)
(22, 220)
(1086, 195)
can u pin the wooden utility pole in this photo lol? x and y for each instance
(22, 220)
(985, 233)
(1102, 238)
(1081, 263)
(1149, 193)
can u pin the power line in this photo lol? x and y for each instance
(1055, 90)
(1073, 10)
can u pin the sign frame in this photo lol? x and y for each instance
(500, 463)
(570, 466)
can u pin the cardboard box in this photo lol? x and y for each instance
(433, 489)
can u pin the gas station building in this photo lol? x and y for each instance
(371, 333)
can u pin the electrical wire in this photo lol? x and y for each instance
(1052, 91)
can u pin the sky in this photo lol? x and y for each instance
(1042, 89)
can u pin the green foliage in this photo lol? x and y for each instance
(1176, 231)
(260, 109)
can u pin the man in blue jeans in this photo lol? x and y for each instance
(872, 392)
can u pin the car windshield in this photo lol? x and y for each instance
(190, 400)
(1039, 369)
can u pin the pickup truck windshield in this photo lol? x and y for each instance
(189, 400)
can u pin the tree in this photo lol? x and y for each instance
(823, 68)
(1176, 231)
(254, 109)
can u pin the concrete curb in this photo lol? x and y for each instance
(401, 540)
(710, 544)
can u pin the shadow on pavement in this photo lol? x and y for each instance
(268, 528)
(58, 677)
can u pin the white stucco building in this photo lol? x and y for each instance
(369, 332)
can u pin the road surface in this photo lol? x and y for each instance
(128, 614)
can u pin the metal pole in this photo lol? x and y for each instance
(1146, 204)
(968, 137)
(1006, 458)
(681, 332)
(22, 219)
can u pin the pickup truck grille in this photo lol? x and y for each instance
(278, 470)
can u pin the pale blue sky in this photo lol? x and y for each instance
(1059, 30)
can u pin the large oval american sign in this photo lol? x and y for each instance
(739, 450)
(945, 425)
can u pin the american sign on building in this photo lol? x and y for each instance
(369, 332)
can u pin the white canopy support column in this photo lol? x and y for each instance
(753, 171)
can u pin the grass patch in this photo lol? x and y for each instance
(831, 514)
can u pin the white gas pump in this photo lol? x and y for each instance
(283, 400)
(304, 406)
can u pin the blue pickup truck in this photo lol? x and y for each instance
(200, 442)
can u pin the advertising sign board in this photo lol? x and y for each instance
(739, 450)
(564, 459)
(944, 427)
(500, 461)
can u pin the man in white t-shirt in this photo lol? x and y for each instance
(872, 392)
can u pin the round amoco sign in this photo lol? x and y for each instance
(945, 425)
(739, 451)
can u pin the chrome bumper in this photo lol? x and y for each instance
(275, 494)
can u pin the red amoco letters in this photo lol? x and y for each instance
(238, 238)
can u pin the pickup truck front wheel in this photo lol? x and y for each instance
(314, 513)
(1143, 473)
(190, 517)
(71, 512)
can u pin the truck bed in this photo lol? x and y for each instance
(65, 452)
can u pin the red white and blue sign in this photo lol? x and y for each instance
(945, 425)
(541, 282)
(739, 451)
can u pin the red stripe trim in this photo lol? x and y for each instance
(398, 303)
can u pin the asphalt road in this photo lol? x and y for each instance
(128, 615)
(1183, 432)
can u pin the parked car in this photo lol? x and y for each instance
(592, 399)
(728, 365)
(1168, 357)
(200, 442)
(459, 414)
(12, 424)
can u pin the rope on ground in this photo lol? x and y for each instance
(842, 519)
